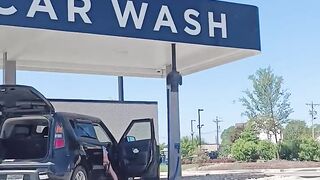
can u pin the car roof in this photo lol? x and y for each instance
(79, 116)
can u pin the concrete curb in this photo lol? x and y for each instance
(250, 171)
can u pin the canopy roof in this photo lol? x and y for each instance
(40, 44)
(43, 50)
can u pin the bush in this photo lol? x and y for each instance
(201, 158)
(309, 150)
(243, 150)
(267, 150)
(289, 149)
(224, 151)
(188, 148)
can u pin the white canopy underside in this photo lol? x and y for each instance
(56, 51)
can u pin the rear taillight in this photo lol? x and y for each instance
(59, 141)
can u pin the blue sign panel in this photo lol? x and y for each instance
(204, 22)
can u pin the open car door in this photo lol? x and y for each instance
(138, 151)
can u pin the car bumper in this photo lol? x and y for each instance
(25, 171)
(23, 175)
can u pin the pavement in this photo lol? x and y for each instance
(260, 174)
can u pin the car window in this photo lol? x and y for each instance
(85, 130)
(139, 131)
(101, 134)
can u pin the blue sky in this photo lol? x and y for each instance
(290, 45)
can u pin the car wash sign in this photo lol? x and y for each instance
(204, 22)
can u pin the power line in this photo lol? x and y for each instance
(313, 113)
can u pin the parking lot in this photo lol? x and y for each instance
(266, 174)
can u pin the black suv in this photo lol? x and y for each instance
(38, 143)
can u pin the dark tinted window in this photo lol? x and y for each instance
(85, 130)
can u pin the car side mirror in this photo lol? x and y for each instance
(131, 138)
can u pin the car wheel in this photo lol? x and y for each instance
(79, 174)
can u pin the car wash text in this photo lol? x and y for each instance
(199, 22)
(136, 12)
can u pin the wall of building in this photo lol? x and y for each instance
(115, 115)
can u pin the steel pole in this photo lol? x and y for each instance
(9, 70)
(199, 126)
(192, 132)
(120, 88)
(174, 79)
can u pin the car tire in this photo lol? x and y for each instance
(79, 174)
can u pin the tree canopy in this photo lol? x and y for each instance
(296, 129)
(268, 103)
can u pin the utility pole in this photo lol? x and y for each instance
(192, 132)
(217, 121)
(313, 113)
(199, 126)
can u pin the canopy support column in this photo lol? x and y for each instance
(174, 79)
(120, 88)
(9, 70)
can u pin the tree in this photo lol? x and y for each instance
(293, 134)
(295, 130)
(228, 137)
(267, 104)
(317, 130)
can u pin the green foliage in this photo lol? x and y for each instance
(295, 130)
(162, 146)
(289, 149)
(293, 135)
(249, 134)
(227, 134)
(250, 148)
(267, 150)
(188, 147)
(243, 150)
(228, 137)
(224, 150)
(309, 150)
(268, 104)
(317, 130)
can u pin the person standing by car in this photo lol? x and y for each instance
(107, 164)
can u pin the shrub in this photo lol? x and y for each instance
(267, 150)
(289, 149)
(188, 147)
(243, 150)
(201, 158)
(309, 150)
(224, 150)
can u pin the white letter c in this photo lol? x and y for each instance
(8, 11)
